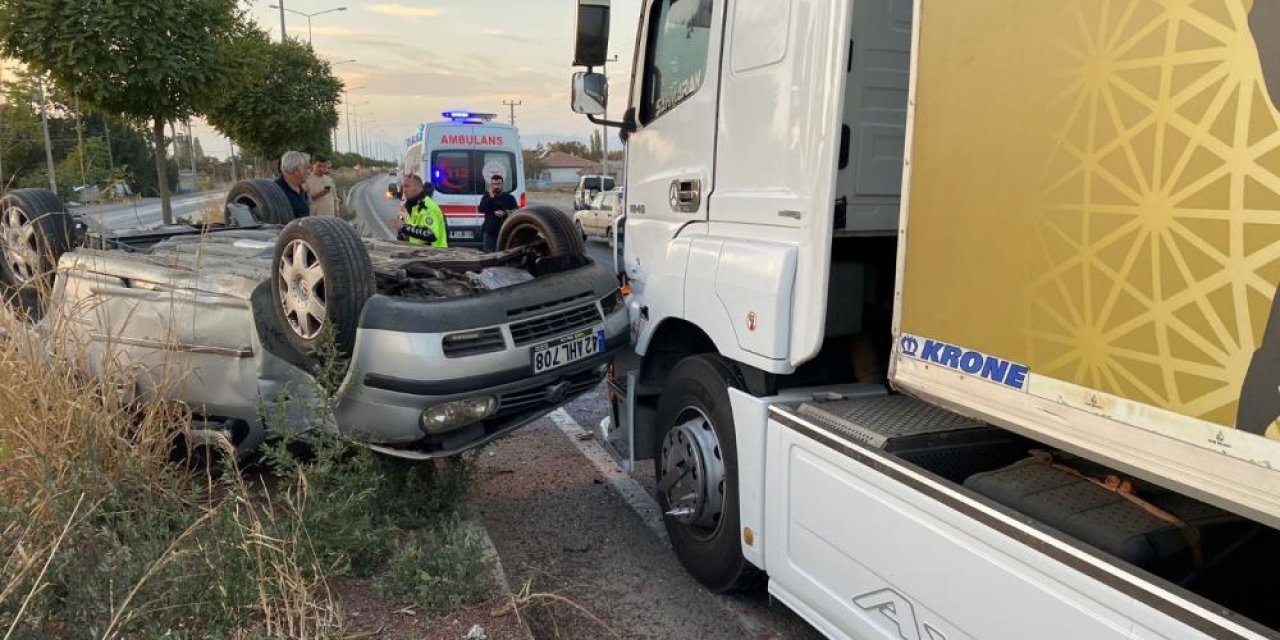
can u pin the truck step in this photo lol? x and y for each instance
(939, 441)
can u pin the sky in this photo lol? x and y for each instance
(416, 59)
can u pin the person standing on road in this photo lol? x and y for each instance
(495, 205)
(424, 223)
(293, 174)
(321, 188)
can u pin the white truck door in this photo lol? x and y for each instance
(670, 156)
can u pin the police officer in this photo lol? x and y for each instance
(423, 220)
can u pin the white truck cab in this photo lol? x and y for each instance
(905, 343)
(458, 155)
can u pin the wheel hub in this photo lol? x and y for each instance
(302, 294)
(693, 471)
(18, 236)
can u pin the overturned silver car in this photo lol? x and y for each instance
(443, 349)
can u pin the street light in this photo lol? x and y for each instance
(308, 16)
(344, 101)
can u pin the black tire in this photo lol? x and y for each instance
(347, 282)
(581, 231)
(548, 228)
(37, 222)
(266, 201)
(711, 555)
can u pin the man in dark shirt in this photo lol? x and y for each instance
(293, 173)
(495, 205)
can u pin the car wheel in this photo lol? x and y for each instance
(581, 231)
(35, 231)
(608, 233)
(547, 229)
(696, 467)
(322, 279)
(266, 201)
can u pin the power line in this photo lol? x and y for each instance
(513, 104)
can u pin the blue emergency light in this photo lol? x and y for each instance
(469, 116)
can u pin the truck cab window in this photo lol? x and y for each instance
(676, 60)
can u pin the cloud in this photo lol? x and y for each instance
(331, 30)
(402, 11)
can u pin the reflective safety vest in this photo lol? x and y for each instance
(427, 215)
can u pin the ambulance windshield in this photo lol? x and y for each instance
(467, 172)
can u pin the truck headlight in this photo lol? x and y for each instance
(448, 416)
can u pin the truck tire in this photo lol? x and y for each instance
(35, 230)
(547, 228)
(695, 448)
(265, 200)
(321, 278)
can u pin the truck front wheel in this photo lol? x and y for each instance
(696, 466)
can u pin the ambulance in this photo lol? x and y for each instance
(459, 155)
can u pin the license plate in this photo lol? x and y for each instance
(567, 350)
(462, 235)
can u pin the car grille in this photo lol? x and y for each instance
(531, 331)
(525, 311)
(532, 398)
(473, 343)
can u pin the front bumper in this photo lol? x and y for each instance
(396, 374)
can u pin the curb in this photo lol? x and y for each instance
(473, 523)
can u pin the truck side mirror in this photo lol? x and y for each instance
(592, 49)
(590, 93)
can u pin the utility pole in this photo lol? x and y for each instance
(234, 178)
(111, 157)
(604, 129)
(48, 145)
(80, 144)
(513, 104)
(282, 31)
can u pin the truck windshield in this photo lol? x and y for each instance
(466, 172)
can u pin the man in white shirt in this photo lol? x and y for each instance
(320, 186)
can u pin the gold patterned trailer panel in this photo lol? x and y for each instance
(1095, 193)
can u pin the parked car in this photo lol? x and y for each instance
(445, 348)
(597, 218)
(588, 188)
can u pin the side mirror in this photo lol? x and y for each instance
(592, 49)
(590, 93)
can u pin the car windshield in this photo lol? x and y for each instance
(594, 183)
(466, 172)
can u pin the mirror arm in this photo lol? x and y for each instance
(611, 123)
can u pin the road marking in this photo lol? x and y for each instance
(646, 508)
(635, 495)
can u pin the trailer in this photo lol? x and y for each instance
(958, 320)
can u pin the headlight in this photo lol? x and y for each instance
(454, 415)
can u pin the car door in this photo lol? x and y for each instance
(604, 215)
(670, 155)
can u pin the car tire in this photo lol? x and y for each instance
(265, 199)
(695, 427)
(341, 286)
(35, 230)
(549, 229)
(581, 231)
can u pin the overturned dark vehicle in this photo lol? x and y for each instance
(441, 349)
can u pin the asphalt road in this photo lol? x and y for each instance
(145, 212)
(584, 536)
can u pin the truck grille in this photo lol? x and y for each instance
(473, 343)
(531, 331)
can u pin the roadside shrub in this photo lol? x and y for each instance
(439, 569)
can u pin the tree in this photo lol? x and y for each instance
(281, 97)
(534, 164)
(571, 147)
(597, 147)
(153, 60)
